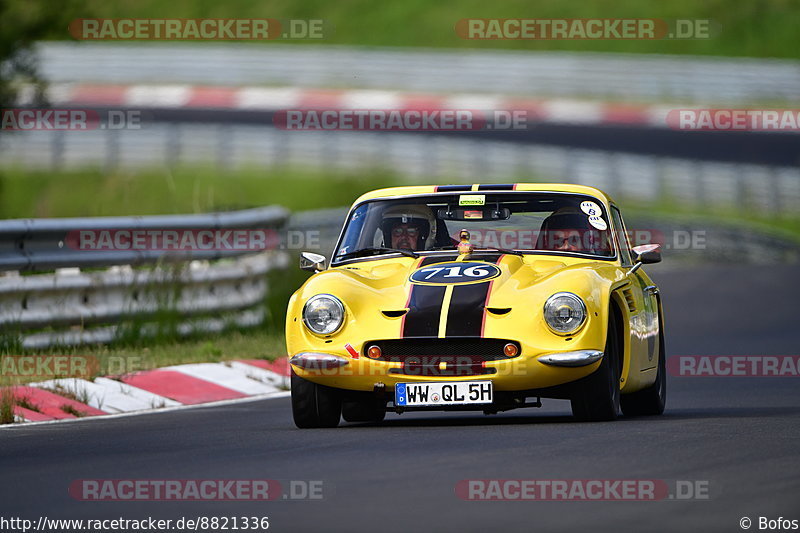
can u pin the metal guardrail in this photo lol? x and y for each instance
(99, 307)
(414, 158)
(71, 306)
(41, 244)
(647, 77)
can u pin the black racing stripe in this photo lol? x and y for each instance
(432, 260)
(453, 188)
(498, 187)
(465, 316)
(424, 306)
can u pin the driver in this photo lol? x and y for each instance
(405, 236)
(409, 227)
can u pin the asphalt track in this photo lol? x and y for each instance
(741, 435)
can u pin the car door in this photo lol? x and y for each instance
(640, 297)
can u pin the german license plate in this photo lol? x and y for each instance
(440, 393)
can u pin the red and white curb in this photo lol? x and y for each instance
(556, 110)
(163, 388)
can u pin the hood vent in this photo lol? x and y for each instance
(499, 310)
(394, 314)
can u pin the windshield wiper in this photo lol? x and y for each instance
(378, 250)
(503, 250)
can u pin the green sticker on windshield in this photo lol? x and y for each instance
(472, 199)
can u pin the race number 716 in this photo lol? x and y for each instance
(457, 272)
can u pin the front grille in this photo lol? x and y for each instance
(449, 371)
(431, 352)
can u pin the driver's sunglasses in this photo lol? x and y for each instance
(411, 232)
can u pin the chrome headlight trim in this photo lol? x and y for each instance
(580, 305)
(337, 303)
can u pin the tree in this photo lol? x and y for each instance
(22, 23)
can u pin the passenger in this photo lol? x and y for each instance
(565, 231)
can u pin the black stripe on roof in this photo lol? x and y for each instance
(453, 188)
(496, 187)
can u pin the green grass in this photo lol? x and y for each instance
(198, 190)
(6, 407)
(759, 28)
(187, 190)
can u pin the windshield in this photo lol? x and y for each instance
(535, 222)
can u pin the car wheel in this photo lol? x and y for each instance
(597, 396)
(363, 411)
(652, 400)
(313, 405)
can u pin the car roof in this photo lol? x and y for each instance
(487, 187)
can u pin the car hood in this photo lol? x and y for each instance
(435, 296)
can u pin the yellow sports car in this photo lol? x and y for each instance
(477, 297)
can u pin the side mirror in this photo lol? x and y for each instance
(647, 254)
(312, 262)
(644, 255)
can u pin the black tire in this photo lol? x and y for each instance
(652, 400)
(314, 406)
(363, 411)
(597, 397)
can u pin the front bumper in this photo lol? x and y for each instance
(539, 371)
(318, 361)
(572, 359)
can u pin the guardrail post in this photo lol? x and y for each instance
(173, 145)
(775, 202)
(699, 183)
(57, 150)
(112, 150)
(224, 147)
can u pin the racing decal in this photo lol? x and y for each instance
(598, 223)
(424, 306)
(591, 208)
(467, 305)
(455, 273)
(595, 214)
(352, 351)
(472, 199)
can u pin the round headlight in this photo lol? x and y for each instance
(323, 314)
(564, 313)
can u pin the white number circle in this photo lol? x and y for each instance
(591, 208)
